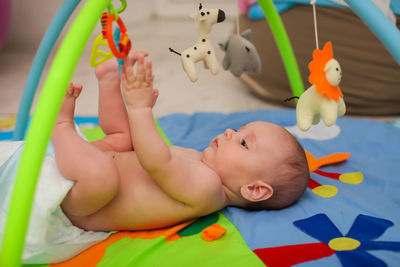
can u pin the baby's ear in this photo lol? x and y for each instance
(256, 191)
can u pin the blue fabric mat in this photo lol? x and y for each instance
(375, 152)
(368, 212)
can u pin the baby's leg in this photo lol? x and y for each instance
(93, 171)
(113, 118)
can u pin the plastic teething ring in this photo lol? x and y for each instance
(124, 44)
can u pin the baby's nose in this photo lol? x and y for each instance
(228, 133)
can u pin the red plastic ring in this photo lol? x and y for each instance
(124, 49)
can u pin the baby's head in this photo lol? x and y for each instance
(261, 166)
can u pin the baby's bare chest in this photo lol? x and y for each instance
(140, 202)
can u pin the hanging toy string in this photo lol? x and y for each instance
(117, 37)
(315, 23)
(237, 18)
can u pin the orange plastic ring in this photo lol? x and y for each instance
(124, 49)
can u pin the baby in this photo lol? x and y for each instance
(131, 180)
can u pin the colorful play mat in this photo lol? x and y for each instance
(349, 215)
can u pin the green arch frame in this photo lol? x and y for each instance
(41, 127)
(50, 102)
(284, 46)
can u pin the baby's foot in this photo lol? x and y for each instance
(106, 68)
(67, 110)
(111, 66)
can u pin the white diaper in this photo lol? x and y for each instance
(51, 236)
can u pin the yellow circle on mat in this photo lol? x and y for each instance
(325, 191)
(344, 243)
(351, 178)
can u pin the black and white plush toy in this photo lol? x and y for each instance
(240, 54)
(203, 49)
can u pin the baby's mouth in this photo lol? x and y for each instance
(216, 142)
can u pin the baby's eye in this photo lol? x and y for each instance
(243, 143)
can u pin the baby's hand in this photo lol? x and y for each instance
(138, 88)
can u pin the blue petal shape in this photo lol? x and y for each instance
(320, 227)
(380, 245)
(359, 258)
(368, 228)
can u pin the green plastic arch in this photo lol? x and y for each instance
(40, 130)
(283, 43)
(49, 104)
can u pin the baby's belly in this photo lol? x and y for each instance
(139, 204)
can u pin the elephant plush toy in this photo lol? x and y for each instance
(240, 54)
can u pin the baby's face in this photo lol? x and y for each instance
(238, 156)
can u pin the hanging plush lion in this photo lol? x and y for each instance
(324, 98)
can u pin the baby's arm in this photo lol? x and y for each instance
(153, 153)
(138, 94)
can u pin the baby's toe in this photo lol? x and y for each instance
(76, 90)
(70, 90)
